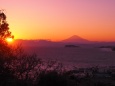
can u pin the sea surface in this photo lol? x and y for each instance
(76, 56)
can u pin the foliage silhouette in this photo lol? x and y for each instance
(4, 29)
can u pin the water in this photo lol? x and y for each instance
(79, 57)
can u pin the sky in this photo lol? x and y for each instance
(59, 19)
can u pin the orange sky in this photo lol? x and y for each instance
(59, 19)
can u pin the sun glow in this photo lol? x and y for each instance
(9, 40)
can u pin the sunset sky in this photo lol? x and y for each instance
(59, 19)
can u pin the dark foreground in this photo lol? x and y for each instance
(20, 69)
(54, 76)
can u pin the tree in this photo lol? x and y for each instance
(4, 29)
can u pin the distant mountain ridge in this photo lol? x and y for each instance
(73, 40)
(76, 39)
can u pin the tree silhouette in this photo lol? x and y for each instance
(4, 29)
(5, 52)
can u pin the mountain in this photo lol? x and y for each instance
(73, 40)
(76, 39)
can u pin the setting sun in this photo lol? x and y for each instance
(9, 40)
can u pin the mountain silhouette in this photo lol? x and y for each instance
(76, 39)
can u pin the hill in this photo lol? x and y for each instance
(76, 39)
